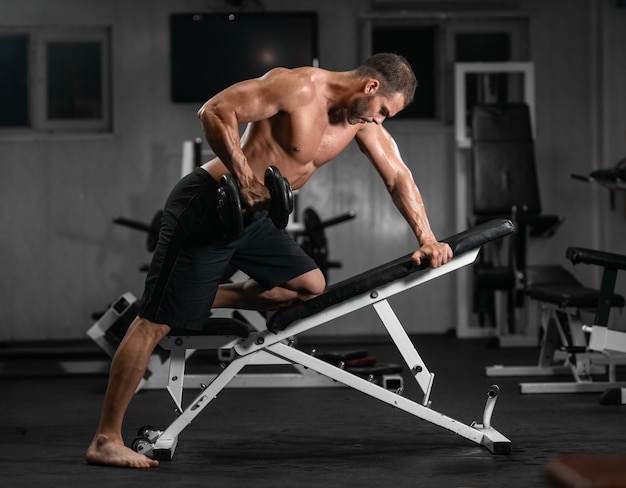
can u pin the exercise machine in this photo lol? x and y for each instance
(603, 339)
(568, 346)
(505, 185)
(613, 179)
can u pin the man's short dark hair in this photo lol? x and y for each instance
(394, 73)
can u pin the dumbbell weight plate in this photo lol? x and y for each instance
(229, 207)
(289, 193)
(281, 197)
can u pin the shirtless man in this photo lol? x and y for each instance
(298, 120)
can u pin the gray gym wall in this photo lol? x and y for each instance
(62, 258)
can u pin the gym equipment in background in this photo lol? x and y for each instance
(505, 185)
(613, 179)
(589, 354)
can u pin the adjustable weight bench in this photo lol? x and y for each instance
(272, 346)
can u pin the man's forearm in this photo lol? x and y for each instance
(411, 205)
(222, 133)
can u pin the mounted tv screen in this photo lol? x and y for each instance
(210, 52)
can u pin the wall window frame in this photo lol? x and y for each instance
(40, 42)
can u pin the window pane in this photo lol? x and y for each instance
(14, 81)
(484, 47)
(74, 80)
(417, 45)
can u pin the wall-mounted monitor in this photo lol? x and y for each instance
(211, 51)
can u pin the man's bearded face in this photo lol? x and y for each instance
(358, 110)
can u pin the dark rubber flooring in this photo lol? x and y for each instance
(302, 437)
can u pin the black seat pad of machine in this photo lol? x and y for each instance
(386, 273)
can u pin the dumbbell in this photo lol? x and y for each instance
(229, 202)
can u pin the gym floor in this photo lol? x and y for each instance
(322, 437)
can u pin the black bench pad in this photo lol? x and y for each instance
(215, 327)
(571, 296)
(386, 273)
(600, 258)
(549, 275)
(571, 293)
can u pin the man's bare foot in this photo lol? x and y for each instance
(111, 453)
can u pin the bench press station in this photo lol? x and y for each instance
(568, 346)
(271, 346)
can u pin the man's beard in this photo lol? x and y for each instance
(357, 109)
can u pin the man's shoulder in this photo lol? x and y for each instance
(297, 84)
(302, 74)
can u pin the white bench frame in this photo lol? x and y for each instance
(266, 347)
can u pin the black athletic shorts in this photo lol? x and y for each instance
(191, 256)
